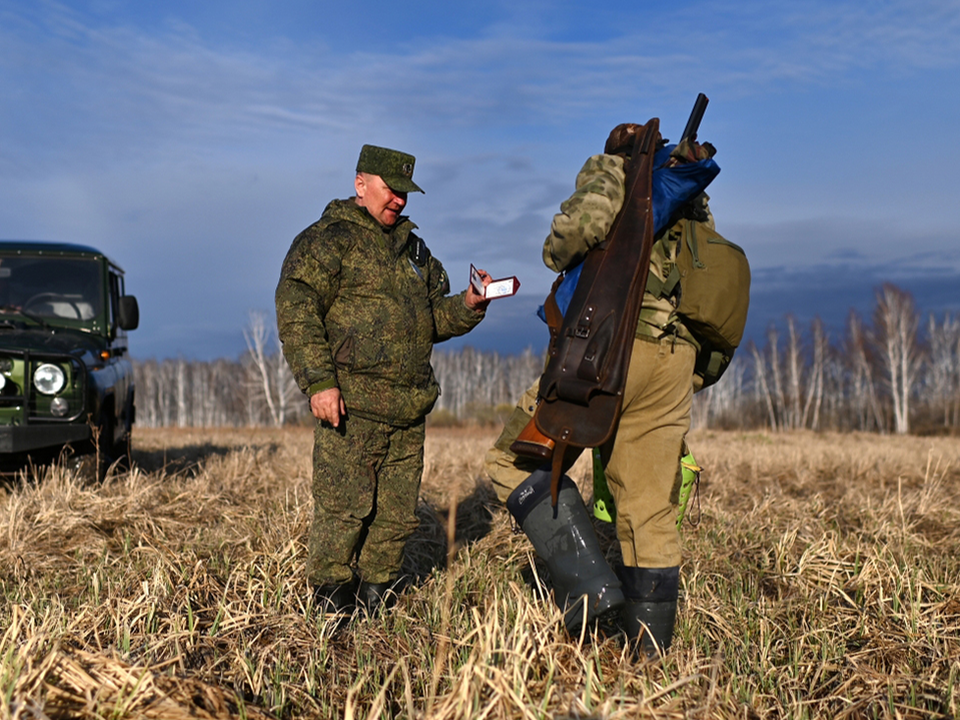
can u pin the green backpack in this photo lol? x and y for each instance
(714, 279)
(714, 296)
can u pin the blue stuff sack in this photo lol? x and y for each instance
(672, 187)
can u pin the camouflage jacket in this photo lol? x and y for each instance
(360, 306)
(583, 222)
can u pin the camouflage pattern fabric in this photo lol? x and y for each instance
(504, 467)
(584, 220)
(586, 216)
(366, 482)
(393, 166)
(360, 306)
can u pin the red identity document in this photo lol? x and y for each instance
(496, 289)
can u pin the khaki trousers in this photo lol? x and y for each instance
(642, 460)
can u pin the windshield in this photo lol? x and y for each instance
(50, 287)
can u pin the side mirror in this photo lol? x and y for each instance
(129, 313)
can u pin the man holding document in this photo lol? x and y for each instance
(360, 303)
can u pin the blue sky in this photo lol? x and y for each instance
(193, 141)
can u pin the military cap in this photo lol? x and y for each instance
(395, 167)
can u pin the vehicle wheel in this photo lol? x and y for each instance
(103, 446)
(85, 466)
(120, 453)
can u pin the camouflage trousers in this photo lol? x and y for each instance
(366, 481)
(641, 461)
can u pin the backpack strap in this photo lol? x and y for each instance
(663, 288)
(551, 310)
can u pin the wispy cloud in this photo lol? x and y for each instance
(126, 84)
(164, 140)
(861, 244)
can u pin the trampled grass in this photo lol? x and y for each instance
(823, 580)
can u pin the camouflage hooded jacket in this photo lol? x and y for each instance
(359, 307)
(583, 222)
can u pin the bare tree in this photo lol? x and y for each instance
(470, 378)
(763, 385)
(895, 325)
(723, 401)
(863, 389)
(794, 363)
(943, 378)
(181, 389)
(836, 400)
(270, 380)
(147, 381)
(811, 406)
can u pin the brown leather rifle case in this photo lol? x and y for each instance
(581, 388)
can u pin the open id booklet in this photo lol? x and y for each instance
(496, 289)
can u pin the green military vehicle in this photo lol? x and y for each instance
(66, 380)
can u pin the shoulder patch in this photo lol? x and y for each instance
(443, 282)
(417, 249)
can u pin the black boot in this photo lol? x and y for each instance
(335, 599)
(564, 538)
(651, 608)
(372, 596)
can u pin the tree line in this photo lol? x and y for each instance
(258, 389)
(896, 373)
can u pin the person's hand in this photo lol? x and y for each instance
(474, 300)
(327, 406)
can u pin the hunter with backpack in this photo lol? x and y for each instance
(649, 307)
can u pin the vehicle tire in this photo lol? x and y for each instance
(120, 453)
(103, 448)
(85, 466)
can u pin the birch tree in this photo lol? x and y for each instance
(723, 401)
(270, 380)
(943, 377)
(794, 366)
(895, 325)
(762, 383)
(811, 406)
(863, 387)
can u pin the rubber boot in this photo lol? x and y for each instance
(372, 596)
(564, 538)
(651, 608)
(335, 599)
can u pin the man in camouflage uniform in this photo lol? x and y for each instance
(642, 459)
(360, 303)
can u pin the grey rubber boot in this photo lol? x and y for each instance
(650, 611)
(372, 596)
(335, 599)
(564, 538)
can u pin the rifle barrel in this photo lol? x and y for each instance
(696, 115)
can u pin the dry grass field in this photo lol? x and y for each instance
(822, 581)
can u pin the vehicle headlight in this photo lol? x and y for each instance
(49, 379)
(3, 381)
(59, 407)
